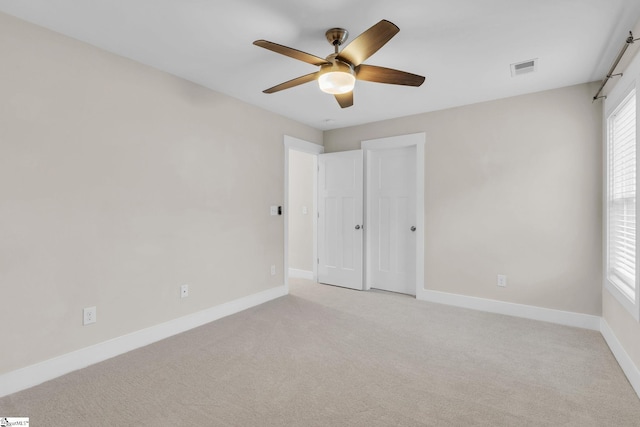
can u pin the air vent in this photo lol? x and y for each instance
(524, 67)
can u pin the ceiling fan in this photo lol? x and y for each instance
(340, 70)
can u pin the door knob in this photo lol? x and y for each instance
(413, 228)
(357, 227)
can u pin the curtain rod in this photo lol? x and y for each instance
(610, 74)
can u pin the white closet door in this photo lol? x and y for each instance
(391, 217)
(340, 219)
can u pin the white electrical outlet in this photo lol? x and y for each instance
(502, 280)
(184, 291)
(89, 315)
(305, 211)
(273, 210)
(273, 270)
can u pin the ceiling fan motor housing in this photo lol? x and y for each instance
(336, 36)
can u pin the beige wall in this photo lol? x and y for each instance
(119, 183)
(300, 224)
(512, 187)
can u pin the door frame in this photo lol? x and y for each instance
(292, 143)
(418, 140)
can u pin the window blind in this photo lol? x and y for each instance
(621, 265)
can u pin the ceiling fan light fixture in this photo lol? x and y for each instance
(337, 78)
(337, 82)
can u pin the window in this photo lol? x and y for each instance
(621, 199)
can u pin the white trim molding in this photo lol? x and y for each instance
(628, 82)
(625, 362)
(33, 375)
(300, 274)
(567, 318)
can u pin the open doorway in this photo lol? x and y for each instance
(301, 211)
(300, 166)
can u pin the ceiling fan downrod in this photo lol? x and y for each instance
(336, 36)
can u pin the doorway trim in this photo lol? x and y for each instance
(418, 140)
(292, 143)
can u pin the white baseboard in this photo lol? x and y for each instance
(567, 318)
(300, 274)
(625, 362)
(33, 375)
(30, 376)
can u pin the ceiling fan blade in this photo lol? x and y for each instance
(293, 82)
(345, 100)
(291, 52)
(368, 43)
(372, 73)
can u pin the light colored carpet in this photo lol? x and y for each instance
(326, 356)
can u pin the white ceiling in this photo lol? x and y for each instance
(463, 47)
